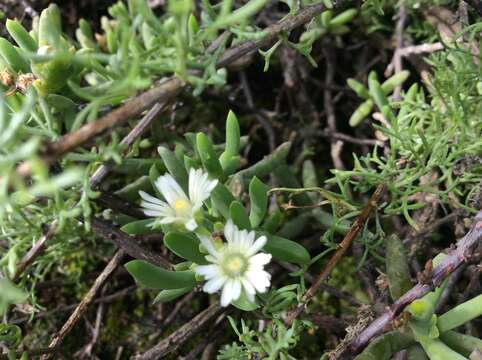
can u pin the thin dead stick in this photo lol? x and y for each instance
(180, 304)
(159, 94)
(397, 57)
(355, 229)
(273, 31)
(66, 308)
(86, 351)
(347, 138)
(134, 134)
(336, 146)
(127, 243)
(184, 333)
(128, 246)
(455, 258)
(29, 9)
(169, 88)
(412, 50)
(86, 301)
(34, 251)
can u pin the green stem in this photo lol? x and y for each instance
(463, 344)
(437, 350)
(460, 314)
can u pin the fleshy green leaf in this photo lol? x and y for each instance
(273, 221)
(233, 140)
(221, 199)
(21, 36)
(140, 227)
(239, 215)
(398, 272)
(383, 347)
(208, 156)
(185, 246)
(154, 277)
(174, 166)
(244, 304)
(171, 294)
(258, 195)
(286, 250)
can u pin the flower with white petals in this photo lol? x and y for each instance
(179, 208)
(236, 266)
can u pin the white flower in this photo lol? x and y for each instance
(236, 266)
(179, 208)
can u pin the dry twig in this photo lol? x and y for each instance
(455, 258)
(134, 134)
(184, 333)
(32, 254)
(128, 243)
(86, 301)
(355, 229)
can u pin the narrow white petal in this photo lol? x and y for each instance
(169, 220)
(153, 213)
(229, 230)
(214, 284)
(250, 238)
(192, 184)
(236, 290)
(260, 280)
(211, 185)
(151, 206)
(207, 243)
(200, 187)
(259, 260)
(248, 287)
(191, 225)
(227, 294)
(250, 297)
(151, 198)
(258, 245)
(170, 189)
(208, 271)
(243, 240)
(212, 259)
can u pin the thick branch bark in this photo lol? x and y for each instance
(455, 258)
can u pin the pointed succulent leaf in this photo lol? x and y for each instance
(154, 277)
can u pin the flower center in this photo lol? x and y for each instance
(182, 207)
(234, 265)
(180, 204)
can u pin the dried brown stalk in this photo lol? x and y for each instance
(127, 243)
(34, 251)
(184, 333)
(455, 258)
(86, 301)
(355, 229)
